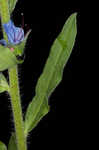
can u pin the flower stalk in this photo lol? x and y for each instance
(14, 86)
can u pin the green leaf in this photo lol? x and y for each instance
(2, 146)
(12, 4)
(3, 84)
(52, 73)
(7, 58)
(12, 143)
(19, 49)
(37, 109)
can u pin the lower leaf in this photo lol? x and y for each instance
(3, 84)
(52, 73)
(2, 146)
(12, 143)
(36, 117)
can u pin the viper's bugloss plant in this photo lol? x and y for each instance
(11, 46)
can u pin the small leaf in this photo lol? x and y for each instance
(19, 49)
(12, 4)
(2, 146)
(12, 143)
(7, 58)
(3, 84)
(52, 73)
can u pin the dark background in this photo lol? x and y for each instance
(62, 125)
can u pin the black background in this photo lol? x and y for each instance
(62, 125)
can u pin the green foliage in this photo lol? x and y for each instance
(52, 73)
(3, 84)
(7, 58)
(2, 146)
(19, 49)
(12, 4)
(12, 143)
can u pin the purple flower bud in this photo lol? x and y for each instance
(15, 34)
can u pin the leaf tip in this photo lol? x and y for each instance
(74, 16)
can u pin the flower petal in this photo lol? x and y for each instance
(15, 34)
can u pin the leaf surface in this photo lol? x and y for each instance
(12, 143)
(3, 84)
(52, 73)
(7, 58)
(2, 146)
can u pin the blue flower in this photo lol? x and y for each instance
(15, 34)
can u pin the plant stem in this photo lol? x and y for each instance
(16, 106)
(14, 86)
(5, 16)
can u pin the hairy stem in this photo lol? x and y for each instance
(16, 106)
(5, 17)
(14, 86)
